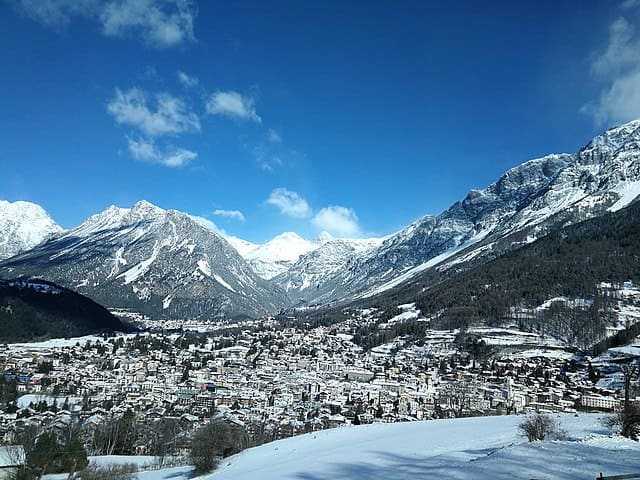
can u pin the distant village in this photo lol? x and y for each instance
(275, 382)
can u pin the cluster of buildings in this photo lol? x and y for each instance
(277, 382)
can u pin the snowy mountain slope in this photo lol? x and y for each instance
(278, 254)
(23, 225)
(467, 448)
(310, 270)
(243, 247)
(526, 203)
(158, 262)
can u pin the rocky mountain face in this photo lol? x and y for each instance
(524, 204)
(157, 262)
(23, 225)
(306, 280)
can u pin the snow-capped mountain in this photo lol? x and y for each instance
(172, 265)
(524, 204)
(303, 279)
(278, 254)
(159, 262)
(23, 225)
(243, 247)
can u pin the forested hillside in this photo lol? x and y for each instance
(571, 264)
(37, 310)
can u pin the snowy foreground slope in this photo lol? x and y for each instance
(460, 449)
(469, 448)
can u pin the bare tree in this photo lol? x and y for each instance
(540, 426)
(628, 420)
(107, 472)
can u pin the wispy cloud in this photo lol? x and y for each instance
(57, 13)
(337, 220)
(157, 23)
(187, 80)
(274, 136)
(270, 163)
(617, 66)
(162, 23)
(289, 203)
(167, 115)
(208, 224)
(231, 214)
(234, 105)
(146, 150)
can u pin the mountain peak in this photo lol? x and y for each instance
(624, 137)
(324, 237)
(287, 236)
(144, 208)
(23, 225)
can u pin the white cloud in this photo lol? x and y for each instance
(170, 116)
(289, 203)
(178, 158)
(268, 164)
(231, 214)
(337, 220)
(622, 52)
(232, 104)
(57, 13)
(186, 80)
(158, 23)
(619, 103)
(146, 151)
(274, 136)
(208, 224)
(629, 4)
(617, 66)
(142, 149)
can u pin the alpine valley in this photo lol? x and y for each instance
(167, 264)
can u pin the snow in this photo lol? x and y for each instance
(421, 268)
(628, 191)
(221, 281)
(25, 400)
(166, 301)
(23, 225)
(278, 254)
(469, 448)
(141, 268)
(243, 247)
(55, 343)
(460, 449)
(204, 267)
(505, 336)
(145, 464)
(38, 287)
(544, 353)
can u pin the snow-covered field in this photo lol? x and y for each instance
(461, 449)
(470, 448)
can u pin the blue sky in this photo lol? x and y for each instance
(352, 117)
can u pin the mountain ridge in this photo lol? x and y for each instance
(148, 257)
(158, 262)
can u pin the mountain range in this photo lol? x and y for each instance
(167, 264)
